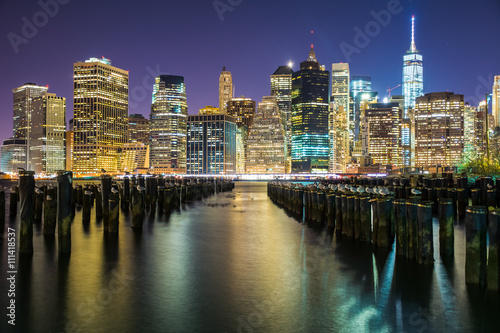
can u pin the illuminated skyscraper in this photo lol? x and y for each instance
(339, 138)
(47, 135)
(413, 73)
(225, 89)
(384, 136)
(242, 109)
(138, 129)
(495, 101)
(13, 155)
(168, 125)
(100, 122)
(339, 117)
(439, 130)
(266, 141)
(310, 104)
(473, 131)
(281, 88)
(211, 144)
(359, 84)
(23, 99)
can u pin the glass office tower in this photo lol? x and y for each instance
(168, 125)
(310, 102)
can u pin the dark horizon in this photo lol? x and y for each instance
(252, 39)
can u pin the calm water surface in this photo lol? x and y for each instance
(236, 263)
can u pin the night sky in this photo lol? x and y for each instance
(459, 40)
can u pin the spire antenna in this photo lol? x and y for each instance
(413, 48)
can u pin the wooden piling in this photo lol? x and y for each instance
(38, 205)
(13, 204)
(365, 211)
(27, 201)
(114, 211)
(425, 253)
(493, 251)
(50, 212)
(401, 227)
(64, 191)
(412, 228)
(446, 228)
(87, 198)
(475, 254)
(105, 191)
(385, 213)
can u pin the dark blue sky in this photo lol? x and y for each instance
(459, 40)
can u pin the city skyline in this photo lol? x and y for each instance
(243, 56)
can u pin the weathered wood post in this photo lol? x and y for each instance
(98, 203)
(475, 253)
(126, 194)
(401, 227)
(331, 211)
(105, 191)
(114, 210)
(365, 216)
(349, 216)
(446, 228)
(50, 212)
(385, 213)
(13, 203)
(412, 228)
(64, 190)
(300, 205)
(357, 216)
(475, 194)
(338, 213)
(425, 254)
(27, 200)
(493, 251)
(320, 216)
(462, 200)
(2, 210)
(137, 208)
(87, 198)
(375, 221)
(38, 205)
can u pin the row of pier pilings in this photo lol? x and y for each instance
(54, 204)
(384, 211)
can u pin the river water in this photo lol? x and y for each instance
(235, 263)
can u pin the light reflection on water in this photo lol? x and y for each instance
(237, 263)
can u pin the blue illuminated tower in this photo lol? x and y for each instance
(413, 77)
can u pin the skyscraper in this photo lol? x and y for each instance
(225, 89)
(339, 138)
(495, 101)
(360, 84)
(281, 88)
(138, 129)
(310, 103)
(339, 117)
(13, 155)
(266, 141)
(242, 109)
(100, 120)
(439, 130)
(168, 125)
(23, 99)
(47, 134)
(413, 73)
(384, 136)
(211, 144)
